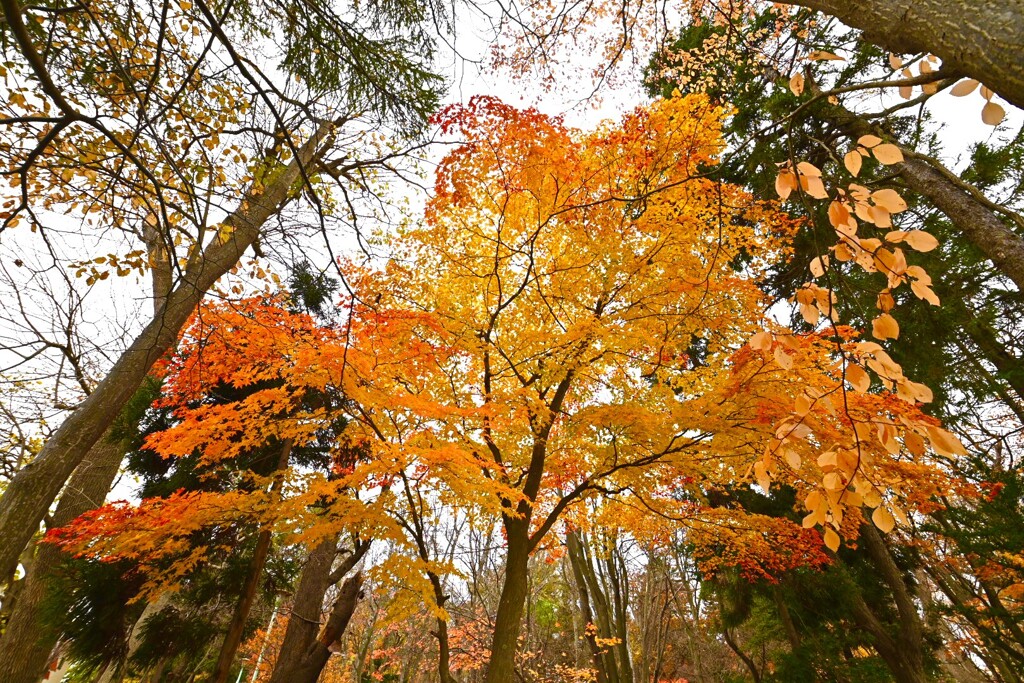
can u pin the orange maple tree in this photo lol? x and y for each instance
(578, 317)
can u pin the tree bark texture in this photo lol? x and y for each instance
(318, 652)
(33, 489)
(983, 39)
(26, 645)
(509, 617)
(307, 604)
(960, 202)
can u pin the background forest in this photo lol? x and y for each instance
(511, 342)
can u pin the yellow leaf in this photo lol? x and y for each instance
(921, 240)
(813, 186)
(853, 161)
(762, 341)
(818, 55)
(964, 87)
(885, 327)
(796, 84)
(887, 154)
(792, 459)
(785, 183)
(883, 519)
(831, 540)
(992, 114)
(808, 169)
(783, 358)
(818, 265)
(945, 443)
(925, 292)
(858, 378)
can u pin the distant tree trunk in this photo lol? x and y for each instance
(981, 38)
(318, 652)
(233, 638)
(901, 648)
(574, 542)
(300, 637)
(29, 494)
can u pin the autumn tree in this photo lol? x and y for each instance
(187, 160)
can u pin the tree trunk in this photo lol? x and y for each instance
(26, 645)
(509, 618)
(316, 655)
(32, 490)
(981, 39)
(307, 604)
(573, 545)
(233, 638)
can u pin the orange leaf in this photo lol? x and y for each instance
(887, 154)
(885, 327)
(964, 87)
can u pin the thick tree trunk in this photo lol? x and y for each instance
(307, 604)
(30, 493)
(26, 645)
(983, 39)
(511, 604)
(316, 655)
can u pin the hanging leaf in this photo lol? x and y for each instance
(964, 87)
(992, 114)
(888, 154)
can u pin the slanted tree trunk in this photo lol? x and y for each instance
(964, 205)
(32, 490)
(983, 39)
(25, 646)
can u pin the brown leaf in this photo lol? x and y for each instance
(992, 114)
(818, 55)
(964, 87)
